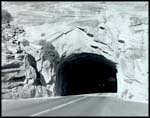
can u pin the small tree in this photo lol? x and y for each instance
(6, 17)
(49, 53)
(25, 43)
(42, 42)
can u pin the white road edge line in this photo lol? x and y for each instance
(59, 106)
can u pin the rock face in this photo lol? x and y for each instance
(128, 49)
(30, 69)
(109, 30)
(20, 76)
(46, 71)
(49, 58)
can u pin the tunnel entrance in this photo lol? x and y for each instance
(85, 73)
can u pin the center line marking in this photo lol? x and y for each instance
(59, 106)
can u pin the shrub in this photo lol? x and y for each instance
(42, 42)
(47, 46)
(25, 43)
(6, 16)
(49, 53)
(43, 34)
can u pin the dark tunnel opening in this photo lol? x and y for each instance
(85, 73)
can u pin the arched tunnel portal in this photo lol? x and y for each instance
(85, 73)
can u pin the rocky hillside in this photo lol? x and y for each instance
(118, 31)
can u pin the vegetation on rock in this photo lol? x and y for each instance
(6, 16)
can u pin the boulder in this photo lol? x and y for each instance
(18, 91)
(41, 91)
(46, 71)
(30, 69)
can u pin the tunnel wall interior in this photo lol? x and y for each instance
(85, 73)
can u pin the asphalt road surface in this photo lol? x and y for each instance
(74, 106)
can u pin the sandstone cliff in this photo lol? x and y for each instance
(118, 31)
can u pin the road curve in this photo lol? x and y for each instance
(74, 106)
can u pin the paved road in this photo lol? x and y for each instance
(74, 106)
